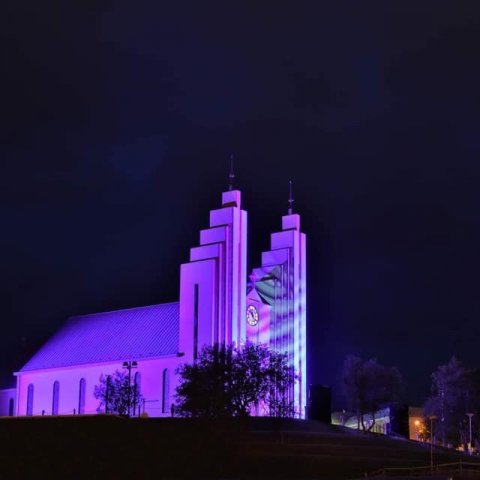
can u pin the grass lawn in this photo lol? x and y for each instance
(104, 447)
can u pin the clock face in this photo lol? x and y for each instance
(252, 316)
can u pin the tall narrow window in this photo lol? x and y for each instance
(56, 391)
(11, 404)
(195, 322)
(165, 392)
(30, 400)
(81, 396)
(137, 382)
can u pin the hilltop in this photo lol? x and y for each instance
(113, 447)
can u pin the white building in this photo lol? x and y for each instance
(216, 306)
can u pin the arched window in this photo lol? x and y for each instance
(137, 382)
(30, 400)
(11, 404)
(81, 396)
(56, 391)
(165, 392)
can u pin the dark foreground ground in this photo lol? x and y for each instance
(107, 447)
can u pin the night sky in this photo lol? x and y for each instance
(117, 120)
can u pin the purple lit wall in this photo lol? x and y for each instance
(69, 379)
(88, 346)
(259, 332)
(213, 282)
(281, 283)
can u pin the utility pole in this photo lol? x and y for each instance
(470, 415)
(432, 418)
(107, 392)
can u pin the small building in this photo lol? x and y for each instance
(392, 420)
(7, 402)
(382, 423)
(320, 403)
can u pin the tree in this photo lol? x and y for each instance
(116, 395)
(233, 381)
(455, 392)
(280, 379)
(368, 387)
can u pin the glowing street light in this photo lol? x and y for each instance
(417, 424)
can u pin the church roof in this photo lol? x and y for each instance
(132, 334)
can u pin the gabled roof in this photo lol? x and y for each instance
(132, 334)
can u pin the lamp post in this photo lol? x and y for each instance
(129, 365)
(432, 418)
(470, 415)
(107, 393)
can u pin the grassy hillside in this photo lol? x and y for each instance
(103, 447)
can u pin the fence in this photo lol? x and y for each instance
(442, 468)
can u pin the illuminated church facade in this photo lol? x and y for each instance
(217, 305)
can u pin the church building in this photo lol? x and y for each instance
(218, 303)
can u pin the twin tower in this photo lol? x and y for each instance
(218, 305)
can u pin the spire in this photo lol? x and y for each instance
(290, 200)
(231, 175)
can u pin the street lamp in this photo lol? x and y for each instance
(470, 415)
(129, 366)
(431, 418)
(417, 424)
(107, 393)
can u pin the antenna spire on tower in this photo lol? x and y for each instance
(231, 175)
(290, 199)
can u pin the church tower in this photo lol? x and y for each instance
(213, 282)
(216, 307)
(276, 301)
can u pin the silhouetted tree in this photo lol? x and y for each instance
(281, 378)
(455, 392)
(231, 381)
(368, 387)
(116, 395)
